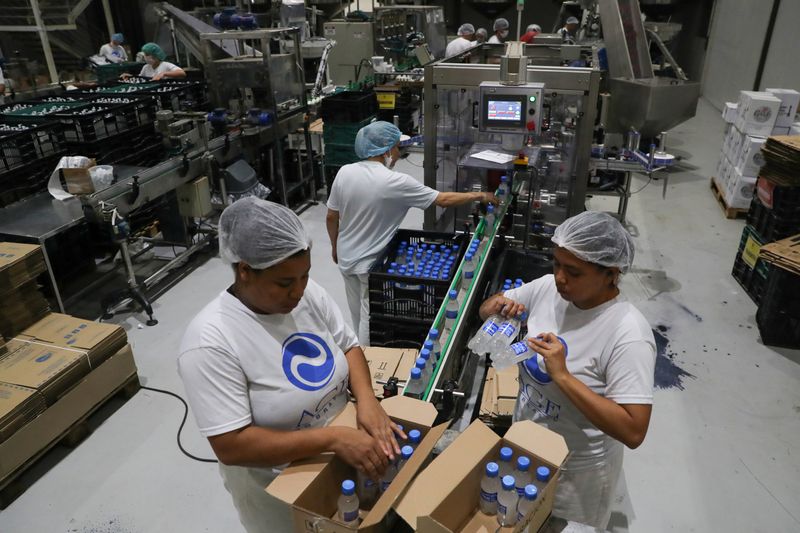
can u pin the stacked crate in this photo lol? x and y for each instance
(343, 115)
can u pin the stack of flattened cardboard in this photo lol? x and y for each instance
(18, 406)
(499, 397)
(784, 253)
(782, 160)
(22, 303)
(96, 341)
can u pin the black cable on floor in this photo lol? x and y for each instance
(183, 422)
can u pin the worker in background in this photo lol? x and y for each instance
(500, 31)
(481, 35)
(367, 203)
(2, 87)
(270, 361)
(113, 51)
(569, 31)
(157, 68)
(530, 32)
(462, 43)
(594, 384)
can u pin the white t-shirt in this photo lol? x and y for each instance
(611, 349)
(494, 39)
(115, 54)
(372, 201)
(458, 45)
(164, 66)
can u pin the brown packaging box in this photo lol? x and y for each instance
(19, 263)
(385, 363)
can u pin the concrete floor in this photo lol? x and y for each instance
(722, 453)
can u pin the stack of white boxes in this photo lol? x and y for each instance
(749, 122)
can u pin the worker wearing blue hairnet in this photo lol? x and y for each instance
(590, 377)
(462, 43)
(366, 205)
(157, 67)
(500, 31)
(113, 51)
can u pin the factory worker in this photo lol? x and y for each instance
(156, 67)
(367, 203)
(500, 31)
(530, 33)
(2, 87)
(462, 43)
(481, 35)
(113, 51)
(269, 362)
(569, 31)
(597, 391)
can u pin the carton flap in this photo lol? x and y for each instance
(453, 465)
(410, 410)
(347, 417)
(294, 479)
(547, 444)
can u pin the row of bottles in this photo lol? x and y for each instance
(369, 490)
(509, 492)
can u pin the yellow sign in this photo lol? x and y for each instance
(386, 100)
(750, 253)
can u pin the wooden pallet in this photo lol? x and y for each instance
(729, 212)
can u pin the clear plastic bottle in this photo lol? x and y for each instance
(489, 217)
(504, 189)
(526, 501)
(388, 476)
(451, 311)
(490, 486)
(480, 342)
(348, 504)
(507, 333)
(467, 271)
(422, 364)
(367, 490)
(542, 475)
(505, 464)
(414, 438)
(518, 283)
(405, 454)
(433, 335)
(516, 353)
(415, 386)
(507, 500)
(523, 474)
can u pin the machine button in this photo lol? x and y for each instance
(531, 125)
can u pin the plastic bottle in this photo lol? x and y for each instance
(405, 454)
(489, 217)
(367, 490)
(481, 340)
(518, 283)
(414, 438)
(526, 501)
(507, 333)
(505, 464)
(468, 271)
(523, 474)
(490, 485)
(348, 504)
(422, 364)
(504, 189)
(451, 311)
(516, 353)
(388, 476)
(542, 475)
(507, 500)
(415, 386)
(433, 335)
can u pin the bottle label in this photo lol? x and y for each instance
(509, 330)
(490, 328)
(521, 492)
(501, 509)
(350, 516)
(385, 485)
(490, 497)
(451, 314)
(519, 348)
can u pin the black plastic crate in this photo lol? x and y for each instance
(752, 279)
(137, 110)
(391, 333)
(778, 315)
(349, 106)
(25, 144)
(176, 95)
(139, 146)
(526, 265)
(391, 295)
(26, 181)
(783, 199)
(773, 225)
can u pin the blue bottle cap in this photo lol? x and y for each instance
(492, 470)
(421, 363)
(506, 453)
(519, 280)
(425, 353)
(391, 271)
(406, 452)
(523, 463)
(414, 436)
(524, 316)
(507, 280)
(453, 294)
(348, 487)
(503, 179)
(509, 482)
(490, 209)
(428, 345)
(416, 373)
(531, 492)
(542, 473)
(393, 264)
(434, 334)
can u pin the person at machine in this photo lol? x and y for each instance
(530, 33)
(599, 353)
(500, 31)
(367, 203)
(569, 31)
(269, 362)
(113, 51)
(462, 43)
(481, 35)
(157, 68)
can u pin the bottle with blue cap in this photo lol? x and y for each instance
(451, 311)
(527, 501)
(518, 283)
(422, 364)
(504, 189)
(367, 490)
(542, 476)
(489, 217)
(490, 485)
(415, 386)
(505, 464)
(507, 333)
(414, 438)
(467, 270)
(405, 454)
(481, 341)
(523, 474)
(507, 500)
(433, 335)
(348, 504)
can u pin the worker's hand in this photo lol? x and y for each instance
(373, 419)
(553, 353)
(158, 76)
(489, 198)
(499, 304)
(360, 450)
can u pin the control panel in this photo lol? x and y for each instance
(511, 108)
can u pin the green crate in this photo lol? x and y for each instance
(346, 130)
(340, 154)
(38, 110)
(114, 71)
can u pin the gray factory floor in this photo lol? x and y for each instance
(722, 453)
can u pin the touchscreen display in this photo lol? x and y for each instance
(506, 110)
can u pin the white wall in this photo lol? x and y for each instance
(782, 67)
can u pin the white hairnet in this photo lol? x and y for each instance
(376, 139)
(482, 31)
(534, 27)
(500, 24)
(597, 238)
(466, 29)
(260, 233)
(572, 20)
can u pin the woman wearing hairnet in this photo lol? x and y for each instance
(595, 386)
(269, 362)
(367, 203)
(157, 68)
(462, 43)
(500, 31)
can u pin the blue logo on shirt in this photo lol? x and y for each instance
(307, 361)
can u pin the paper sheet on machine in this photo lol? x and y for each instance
(494, 157)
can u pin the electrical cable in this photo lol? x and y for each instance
(643, 186)
(183, 422)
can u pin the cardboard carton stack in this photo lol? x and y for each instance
(756, 116)
(18, 406)
(22, 303)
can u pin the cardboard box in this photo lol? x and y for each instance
(18, 406)
(444, 497)
(750, 159)
(729, 111)
(385, 363)
(311, 487)
(757, 112)
(788, 109)
(19, 264)
(39, 435)
(778, 130)
(740, 190)
(79, 180)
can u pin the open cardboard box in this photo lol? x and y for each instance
(79, 180)
(444, 497)
(312, 486)
(385, 363)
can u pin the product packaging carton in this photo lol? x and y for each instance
(757, 112)
(788, 109)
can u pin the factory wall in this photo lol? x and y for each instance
(781, 68)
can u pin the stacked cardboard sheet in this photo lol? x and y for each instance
(18, 406)
(21, 303)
